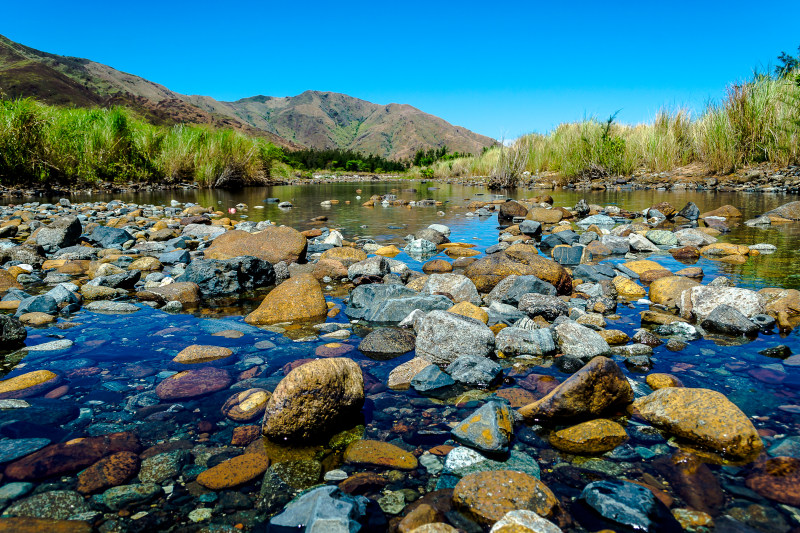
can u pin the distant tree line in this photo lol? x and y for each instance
(343, 160)
(425, 158)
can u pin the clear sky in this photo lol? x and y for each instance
(499, 68)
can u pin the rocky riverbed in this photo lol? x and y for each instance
(168, 368)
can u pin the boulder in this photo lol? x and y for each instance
(489, 429)
(366, 299)
(442, 337)
(511, 209)
(576, 340)
(387, 343)
(298, 298)
(729, 321)
(12, 333)
(108, 237)
(374, 266)
(548, 307)
(703, 416)
(522, 260)
(62, 232)
(544, 215)
(314, 399)
(699, 301)
(460, 287)
(726, 211)
(629, 506)
(511, 289)
(273, 244)
(346, 255)
(667, 290)
(217, 277)
(475, 371)
(598, 386)
(789, 211)
(513, 341)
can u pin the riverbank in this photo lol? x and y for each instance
(582, 352)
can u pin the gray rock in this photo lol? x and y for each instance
(372, 266)
(322, 509)
(107, 306)
(531, 228)
(62, 295)
(729, 321)
(662, 237)
(55, 504)
(431, 381)
(396, 309)
(442, 337)
(628, 504)
(579, 341)
(175, 256)
(594, 273)
(489, 429)
(202, 231)
(12, 332)
(569, 255)
(548, 307)
(387, 343)
(475, 371)
(125, 280)
(515, 341)
(460, 287)
(694, 237)
(641, 244)
(44, 303)
(25, 253)
(441, 228)
(63, 231)
(617, 245)
(108, 237)
(163, 466)
(11, 449)
(601, 221)
(13, 491)
(117, 498)
(690, 211)
(367, 298)
(217, 277)
(512, 288)
(420, 246)
(431, 235)
(504, 314)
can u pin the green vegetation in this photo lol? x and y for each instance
(342, 160)
(758, 121)
(426, 158)
(41, 144)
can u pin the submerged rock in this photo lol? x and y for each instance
(628, 505)
(322, 509)
(487, 497)
(313, 399)
(594, 436)
(703, 416)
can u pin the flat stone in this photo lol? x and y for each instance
(247, 405)
(197, 353)
(234, 472)
(379, 454)
(594, 436)
(12, 449)
(110, 471)
(55, 505)
(193, 383)
(28, 384)
(117, 498)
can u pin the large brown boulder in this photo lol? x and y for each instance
(511, 209)
(314, 399)
(590, 391)
(521, 260)
(544, 215)
(703, 416)
(667, 291)
(273, 244)
(298, 298)
(727, 211)
(790, 211)
(185, 292)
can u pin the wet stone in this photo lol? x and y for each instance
(163, 466)
(489, 429)
(117, 498)
(57, 505)
(193, 383)
(15, 448)
(234, 472)
(202, 354)
(627, 504)
(108, 472)
(380, 454)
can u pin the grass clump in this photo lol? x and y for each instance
(41, 144)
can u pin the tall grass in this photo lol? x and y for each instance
(757, 121)
(43, 144)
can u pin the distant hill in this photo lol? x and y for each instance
(311, 119)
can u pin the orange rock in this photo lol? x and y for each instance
(22, 524)
(273, 244)
(381, 454)
(298, 298)
(197, 353)
(234, 472)
(108, 472)
(486, 497)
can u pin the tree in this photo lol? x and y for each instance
(788, 64)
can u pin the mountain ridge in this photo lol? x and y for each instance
(314, 119)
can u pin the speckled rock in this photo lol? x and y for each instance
(379, 454)
(313, 398)
(117, 498)
(486, 497)
(778, 479)
(55, 504)
(598, 386)
(667, 290)
(42, 525)
(522, 521)
(233, 472)
(162, 466)
(108, 472)
(704, 417)
(386, 343)
(442, 337)
(594, 436)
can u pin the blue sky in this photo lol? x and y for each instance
(501, 69)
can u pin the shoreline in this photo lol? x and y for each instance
(761, 178)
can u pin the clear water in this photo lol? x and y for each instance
(116, 360)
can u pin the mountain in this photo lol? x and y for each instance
(311, 119)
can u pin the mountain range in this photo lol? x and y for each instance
(312, 119)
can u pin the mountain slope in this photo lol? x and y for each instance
(312, 119)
